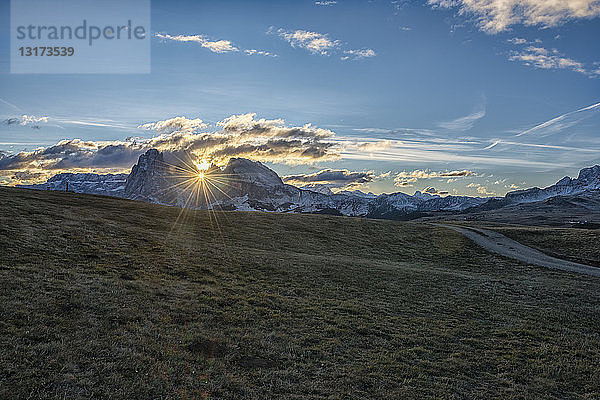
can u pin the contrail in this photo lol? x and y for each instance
(11, 105)
(492, 145)
(559, 118)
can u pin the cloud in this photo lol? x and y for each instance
(539, 57)
(423, 174)
(252, 52)
(26, 120)
(325, 3)
(404, 178)
(404, 182)
(433, 191)
(320, 43)
(517, 40)
(235, 136)
(483, 190)
(27, 176)
(463, 123)
(316, 43)
(216, 46)
(177, 124)
(374, 146)
(333, 178)
(494, 16)
(564, 121)
(358, 54)
(480, 188)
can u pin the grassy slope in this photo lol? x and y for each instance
(574, 244)
(579, 245)
(105, 297)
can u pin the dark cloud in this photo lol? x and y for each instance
(27, 176)
(332, 178)
(434, 191)
(452, 174)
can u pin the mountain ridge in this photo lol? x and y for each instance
(248, 185)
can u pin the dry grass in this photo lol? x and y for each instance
(115, 299)
(574, 244)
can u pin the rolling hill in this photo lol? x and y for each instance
(111, 298)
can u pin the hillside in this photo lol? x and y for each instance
(110, 298)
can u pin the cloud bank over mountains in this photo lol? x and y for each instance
(237, 136)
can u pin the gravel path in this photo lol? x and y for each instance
(500, 244)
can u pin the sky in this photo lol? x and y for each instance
(460, 97)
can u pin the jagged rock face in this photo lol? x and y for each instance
(589, 177)
(149, 179)
(155, 181)
(107, 184)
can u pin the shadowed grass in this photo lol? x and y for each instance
(573, 244)
(103, 297)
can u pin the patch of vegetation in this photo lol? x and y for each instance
(109, 298)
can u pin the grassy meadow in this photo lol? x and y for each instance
(109, 298)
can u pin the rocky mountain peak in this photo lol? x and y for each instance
(564, 181)
(590, 176)
(252, 172)
(147, 177)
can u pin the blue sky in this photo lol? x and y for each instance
(407, 92)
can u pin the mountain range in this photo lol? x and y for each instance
(247, 185)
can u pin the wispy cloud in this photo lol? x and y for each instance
(314, 42)
(320, 43)
(10, 105)
(480, 188)
(539, 57)
(325, 3)
(404, 178)
(216, 46)
(252, 52)
(562, 122)
(358, 54)
(463, 123)
(517, 40)
(495, 16)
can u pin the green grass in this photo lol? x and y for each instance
(107, 298)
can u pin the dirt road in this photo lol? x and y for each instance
(500, 244)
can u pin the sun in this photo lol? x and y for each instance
(201, 175)
(201, 164)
